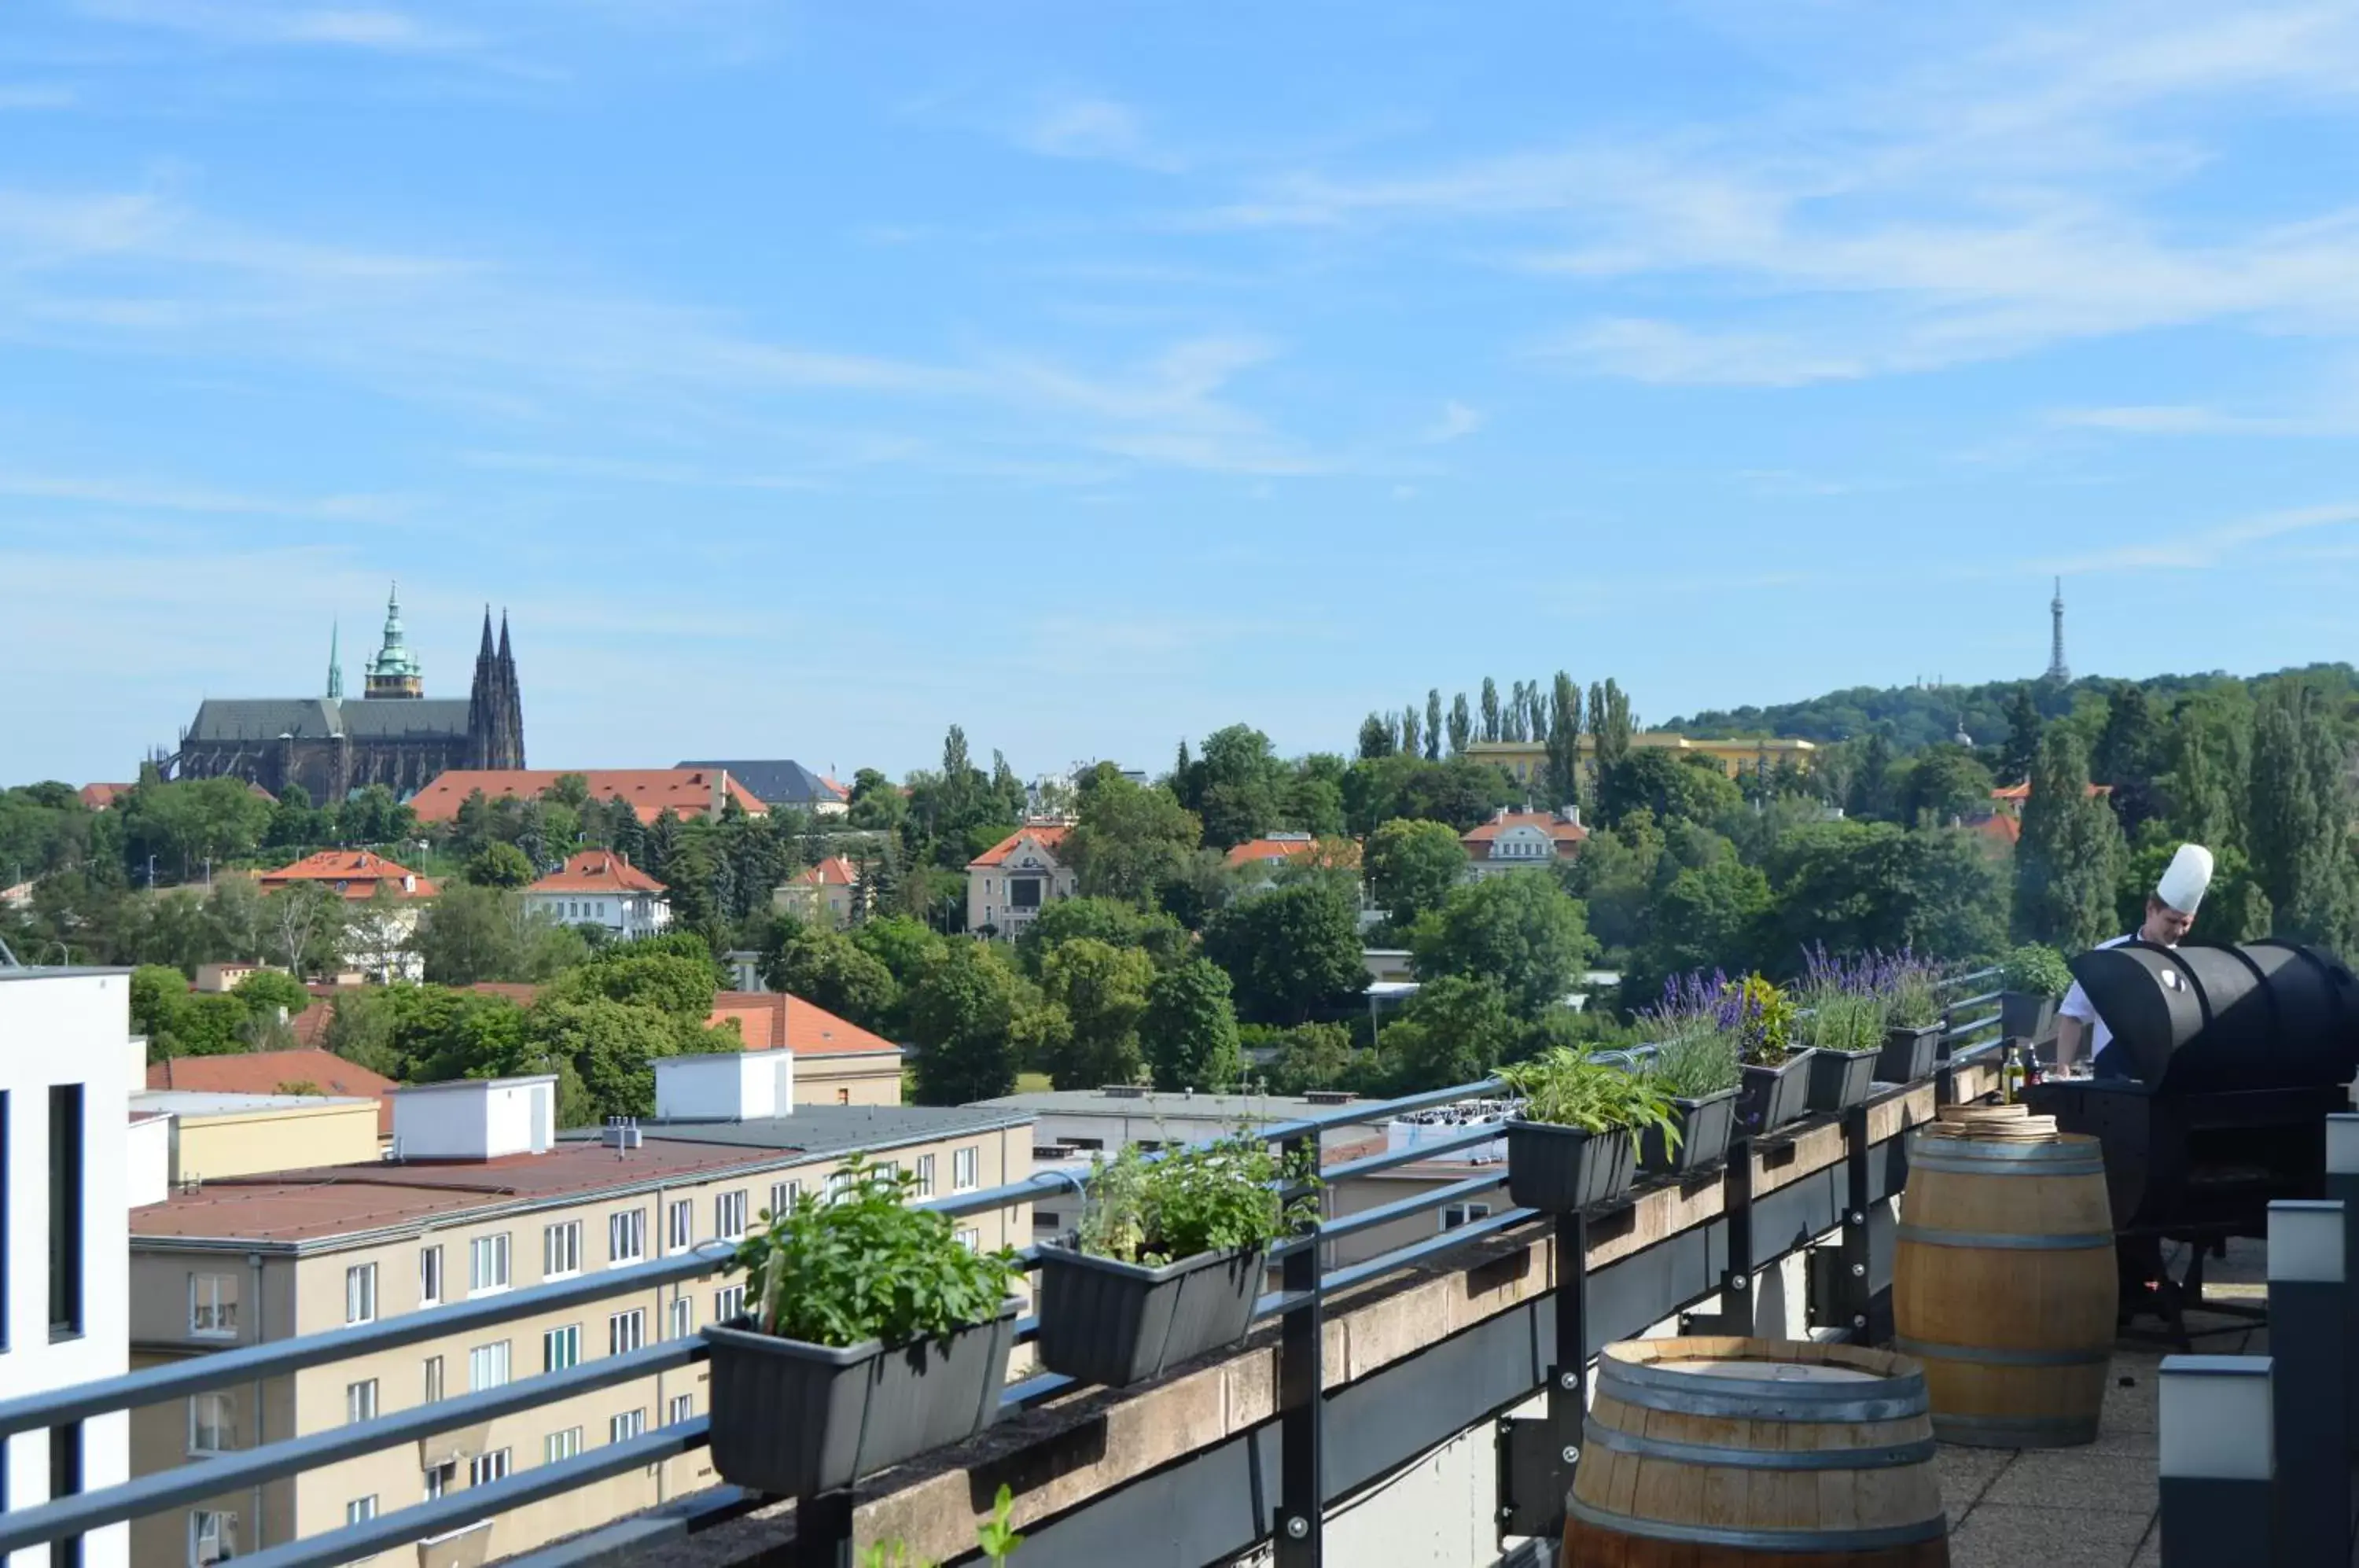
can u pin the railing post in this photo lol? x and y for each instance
(2219, 1454)
(1568, 1390)
(1858, 1291)
(823, 1532)
(2308, 1309)
(1301, 1528)
(2342, 1187)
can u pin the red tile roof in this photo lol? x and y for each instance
(2003, 827)
(597, 871)
(2022, 792)
(835, 871)
(685, 792)
(262, 1072)
(771, 1020)
(1567, 836)
(356, 873)
(98, 797)
(1286, 846)
(1050, 837)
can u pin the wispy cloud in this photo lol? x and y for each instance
(138, 495)
(373, 29)
(2194, 420)
(32, 95)
(2205, 547)
(1458, 421)
(1102, 129)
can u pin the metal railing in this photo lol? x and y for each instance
(1306, 1285)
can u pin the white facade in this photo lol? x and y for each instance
(624, 915)
(475, 1118)
(67, 1290)
(751, 1085)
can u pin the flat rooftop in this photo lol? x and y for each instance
(221, 1102)
(1229, 1108)
(295, 1208)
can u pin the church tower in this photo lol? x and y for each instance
(335, 666)
(495, 708)
(394, 673)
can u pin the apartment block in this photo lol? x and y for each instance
(486, 1195)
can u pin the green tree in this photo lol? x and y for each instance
(611, 1046)
(667, 982)
(1306, 1057)
(468, 934)
(1108, 921)
(1103, 991)
(1433, 724)
(1291, 954)
(1411, 867)
(1672, 789)
(1520, 929)
(2065, 861)
(1189, 1031)
(1462, 725)
(963, 1014)
(1130, 839)
(1458, 1030)
(1872, 798)
(1490, 709)
(1563, 776)
(1944, 785)
(2129, 752)
(830, 970)
(158, 994)
(1709, 918)
(2024, 726)
(266, 991)
(2299, 814)
(1234, 785)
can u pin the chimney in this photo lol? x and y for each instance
(1571, 815)
(743, 1087)
(476, 1118)
(720, 789)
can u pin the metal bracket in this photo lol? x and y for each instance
(1537, 1454)
(1737, 1282)
(1533, 1478)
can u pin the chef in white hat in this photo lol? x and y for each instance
(2170, 914)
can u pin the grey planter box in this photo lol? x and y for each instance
(2026, 1014)
(1119, 1323)
(1841, 1079)
(1771, 1096)
(1907, 1054)
(1703, 1125)
(1562, 1170)
(792, 1419)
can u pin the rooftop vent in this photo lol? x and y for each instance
(746, 1086)
(1331, 1096)
(476, 1118)
(621, 1132)
(1123, 1092)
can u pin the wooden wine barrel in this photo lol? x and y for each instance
(2003, 1286)
(1742, 1452)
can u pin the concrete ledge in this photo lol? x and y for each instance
(1058, 1456)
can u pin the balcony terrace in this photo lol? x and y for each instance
(1410, 1409)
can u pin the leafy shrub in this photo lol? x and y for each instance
(1693, 1065)
(995, 1537)
(1214, 1197)
(863, 1265)
(1564, 1087)
(2037, 970)
(1845, 1021)
(1753, 1016)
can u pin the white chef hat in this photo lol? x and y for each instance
(2183, 884)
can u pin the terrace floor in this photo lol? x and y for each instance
(2093, 1507)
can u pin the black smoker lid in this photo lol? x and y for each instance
(2266, 1015)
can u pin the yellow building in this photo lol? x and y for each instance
(1527, 760)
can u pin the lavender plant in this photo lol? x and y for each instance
(1703, 1018)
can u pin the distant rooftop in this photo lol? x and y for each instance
(782, 782)
(298, 1209)
(1228, 1108)
(223, 1101)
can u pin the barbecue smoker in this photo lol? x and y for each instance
(2236, 1056)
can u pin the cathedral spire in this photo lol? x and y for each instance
(335, 665)
(394, 673)
(484, 653)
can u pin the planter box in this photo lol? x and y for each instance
(791, 1419)
(1703, 1136)
(1119, 1323)
(1841, 1079)
(1907, 1054)
(1771, 1096)
(2026, 1014)
(1562, 1170)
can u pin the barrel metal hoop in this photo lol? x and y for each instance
(1992, 1355)
(1794, 1540)
(1897, 1396)
(1997, 1151)
(2068, 1242)
(2084, 1166)
(1889, 1456)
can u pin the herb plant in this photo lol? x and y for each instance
(995, 1535)
(1753, 1016)
(1902, 989)
(1565, 1087)
(1216, 1197)
(1695, 1064)
(863, 1265)
(2037, 970)
(1845, 1021)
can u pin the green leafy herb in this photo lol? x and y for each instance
(1213, 1197)
(1848, 1023)
(1695, 1064)
(996, 1536)
(2037, 970)
(1565, 1087)
(862, 1264)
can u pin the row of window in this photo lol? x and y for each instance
(213, 1298)
(213, 1417)
(214, 1532)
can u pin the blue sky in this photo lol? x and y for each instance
(804, 378)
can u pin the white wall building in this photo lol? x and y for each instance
(64, 1135)
(601, 887)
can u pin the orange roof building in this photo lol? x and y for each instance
(273, 1073)
(602, 887)
(357, 874)
(1274, 849)
(685, 793)
(1518, 841)
(830, 890)
(1010, 883)
(99, 797)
